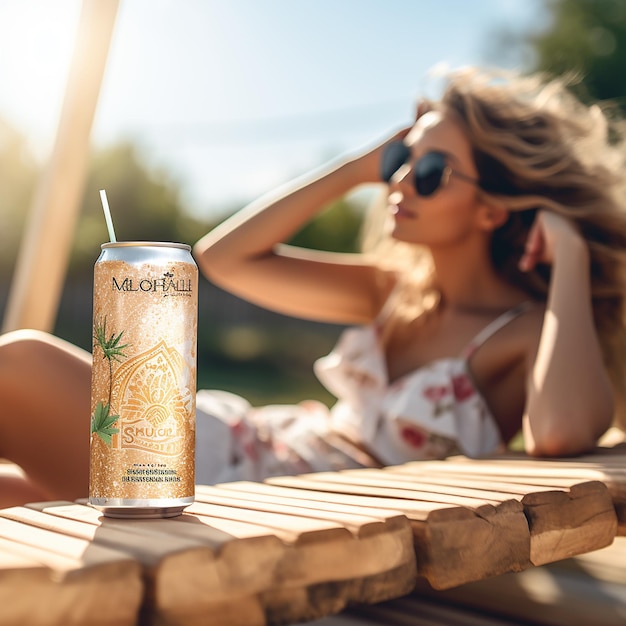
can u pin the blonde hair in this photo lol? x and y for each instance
(536, 146)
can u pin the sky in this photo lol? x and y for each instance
(234, 97)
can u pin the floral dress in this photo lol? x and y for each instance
(430, 413)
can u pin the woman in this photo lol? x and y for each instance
(474, 314)
(490, 300)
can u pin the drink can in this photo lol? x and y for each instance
(142, 446)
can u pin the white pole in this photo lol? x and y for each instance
(44, 252)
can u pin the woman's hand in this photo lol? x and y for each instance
(369, 161)
(549, 233)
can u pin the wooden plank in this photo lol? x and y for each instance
(336, 557)
(562, 522)
(72, 580)
(313, 563)
(290, 529)
(305, 599)
(271, 494)
(246, 558)
(376, 483)
(324, 564)
(243, 565)
(559, 473)
(521, 486)
(183, 582)
(609, 469)
(509, 483)
(306, 486)
(453, 484)
(388, 530)
(358, 522)
(290, 605)
(454, 542)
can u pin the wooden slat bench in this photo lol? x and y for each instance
(47, 578)
(301, 548)
(467, 531)
(229, 565)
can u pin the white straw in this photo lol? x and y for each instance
(107, 215)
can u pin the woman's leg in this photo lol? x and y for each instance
(45, 386)
(16, 489)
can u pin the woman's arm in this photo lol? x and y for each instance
(246, 254)
(570, 401)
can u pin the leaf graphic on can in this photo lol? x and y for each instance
(102, 423)
(112, 350)
(110, 347)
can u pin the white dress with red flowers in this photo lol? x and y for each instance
(430, 413)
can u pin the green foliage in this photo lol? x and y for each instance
(145, 205)
(335, 229)
(586, 38)
(102, 423)
(111, 348)
(278, 370)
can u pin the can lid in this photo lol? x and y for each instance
(145, 244)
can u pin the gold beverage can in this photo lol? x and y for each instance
(145, 316)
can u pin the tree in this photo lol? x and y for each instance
(587, 38)
(145, 205)
(336, 229)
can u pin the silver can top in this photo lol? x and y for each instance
(145, 244)
(146, 251)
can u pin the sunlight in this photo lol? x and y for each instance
(38, 40)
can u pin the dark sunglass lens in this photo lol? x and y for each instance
(394, 156)
(428, 173)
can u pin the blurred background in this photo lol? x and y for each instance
(207, 104)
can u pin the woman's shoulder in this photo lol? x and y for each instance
(526, 319)
(514, 341)
(530, 322)
(524, 330)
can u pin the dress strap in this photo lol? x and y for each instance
(494, 327)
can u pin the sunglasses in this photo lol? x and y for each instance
(430, 171)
